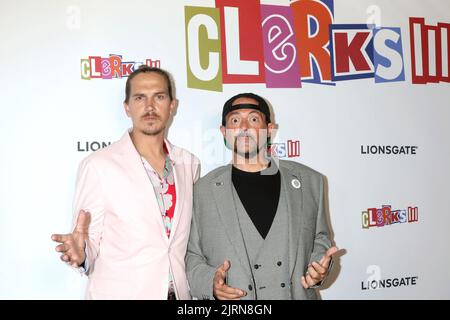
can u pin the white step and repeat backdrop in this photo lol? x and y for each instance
(360, 91)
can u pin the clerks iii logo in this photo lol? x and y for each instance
(112, 67)
(385, 216)
(284, 46)
(288, 149)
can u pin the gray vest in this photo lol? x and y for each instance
(269, 258)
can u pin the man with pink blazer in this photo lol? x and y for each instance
(133, 203)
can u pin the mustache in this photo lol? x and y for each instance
(150, 114)
(244, 134)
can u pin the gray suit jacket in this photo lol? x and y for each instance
(215, 234)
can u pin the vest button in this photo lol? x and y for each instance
(250, 287)
(283, 285)
(256, 266)
(279, 263)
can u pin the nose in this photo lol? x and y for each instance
(244, 125)
(149, 104)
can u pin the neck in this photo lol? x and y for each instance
(256, 163)
(148, 146)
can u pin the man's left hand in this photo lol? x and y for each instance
(317, 271)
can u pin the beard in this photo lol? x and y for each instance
(247, 154)
(152, 132)
(155, 126)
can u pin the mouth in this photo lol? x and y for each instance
(245, 138)
(150, 117)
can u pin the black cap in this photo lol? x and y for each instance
(262, 106)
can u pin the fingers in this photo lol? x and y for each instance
(71, 252)
(66, 241)
(74, 259)
(67, 259)
(221, 272)
(83, 221)
(325, 261)
(225, 266)
(225, 292)
(315, 274)
(319, 269)
(219, 277)
(62, 248)
(228, 296)
(60, 237)
(221, 290)
(332, 251)
(307, 281)
(303, 282)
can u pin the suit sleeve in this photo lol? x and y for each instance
(89, 197)
(322, 240)
(199, 273)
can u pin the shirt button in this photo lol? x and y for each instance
(256, 266)
(283, 285)
(279, 263)
(250, 287)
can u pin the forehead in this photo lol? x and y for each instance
(149, 80)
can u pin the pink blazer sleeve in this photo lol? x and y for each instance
(89, 197)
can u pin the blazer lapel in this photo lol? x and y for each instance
(294, 198)
(138, 175)
(178, 174)
(223, 196)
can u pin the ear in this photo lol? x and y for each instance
(127, 109)
(270, 128)
(173, 106)
(222, 129)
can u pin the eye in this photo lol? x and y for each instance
(254, 120)
(138, 98)
(161, 96)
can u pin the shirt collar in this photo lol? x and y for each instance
(168, 150)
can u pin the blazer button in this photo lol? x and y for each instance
(250, 287)
(279, 263)
(256, 266)
(283, 285)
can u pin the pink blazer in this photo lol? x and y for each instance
(128, 251)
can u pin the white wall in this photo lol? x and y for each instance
(47, 109)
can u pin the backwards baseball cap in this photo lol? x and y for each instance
(262, 106)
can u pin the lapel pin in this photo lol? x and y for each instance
(296, 183)
(218, 184)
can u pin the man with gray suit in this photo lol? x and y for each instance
(258, 228)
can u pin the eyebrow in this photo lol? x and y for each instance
(139, 94)
(259, 113)
(251, 112)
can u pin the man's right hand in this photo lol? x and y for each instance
(72, 245)
(221, 290)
